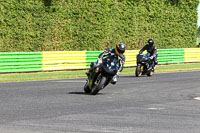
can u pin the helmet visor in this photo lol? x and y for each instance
(120, 51)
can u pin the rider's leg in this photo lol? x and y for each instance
(153, 66)
(156, 60)
(155, 63)
(149, 67)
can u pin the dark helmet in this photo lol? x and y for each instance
(151, 42)
(120, 48)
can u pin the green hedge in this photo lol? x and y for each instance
(54, 25)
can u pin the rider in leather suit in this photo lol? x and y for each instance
(112, 53)
(151, 48)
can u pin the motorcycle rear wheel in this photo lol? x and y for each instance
(98, 85)
(138, 71)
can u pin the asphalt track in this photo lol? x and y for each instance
(163, 103)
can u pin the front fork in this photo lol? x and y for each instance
(150, 65)
(94, 77)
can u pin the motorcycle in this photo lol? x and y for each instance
(144, 65)
(101, 75)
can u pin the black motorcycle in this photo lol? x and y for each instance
(144, 65)
(101, 75)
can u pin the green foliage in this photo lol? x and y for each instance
(52, 25)
(198, 33)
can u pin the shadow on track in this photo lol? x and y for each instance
(133, 76)
(83, 93)
(128, 76)
(78, 93)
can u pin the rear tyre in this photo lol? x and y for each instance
(86, 87)
(138, 71)
(98, 85)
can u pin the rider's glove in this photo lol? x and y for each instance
(151, 57)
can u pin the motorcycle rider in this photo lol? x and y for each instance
(112, 53)
(151, 48)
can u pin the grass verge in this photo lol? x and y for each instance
(81, 73)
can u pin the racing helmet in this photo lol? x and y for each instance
(151, 42)
(120, 48)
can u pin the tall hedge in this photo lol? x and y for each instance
(53, 25)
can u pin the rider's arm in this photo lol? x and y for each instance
(154, 52)
(105, 53)
(143, 49)
(121, 63)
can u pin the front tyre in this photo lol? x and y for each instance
(98, 85)
(86, 87)
(138, 71)
(150, 73)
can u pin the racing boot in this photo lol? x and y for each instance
(154, 68)
(114, 80)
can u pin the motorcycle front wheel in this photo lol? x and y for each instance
(138, 71)
(86, 87)
(98, 85)
(150, 73)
